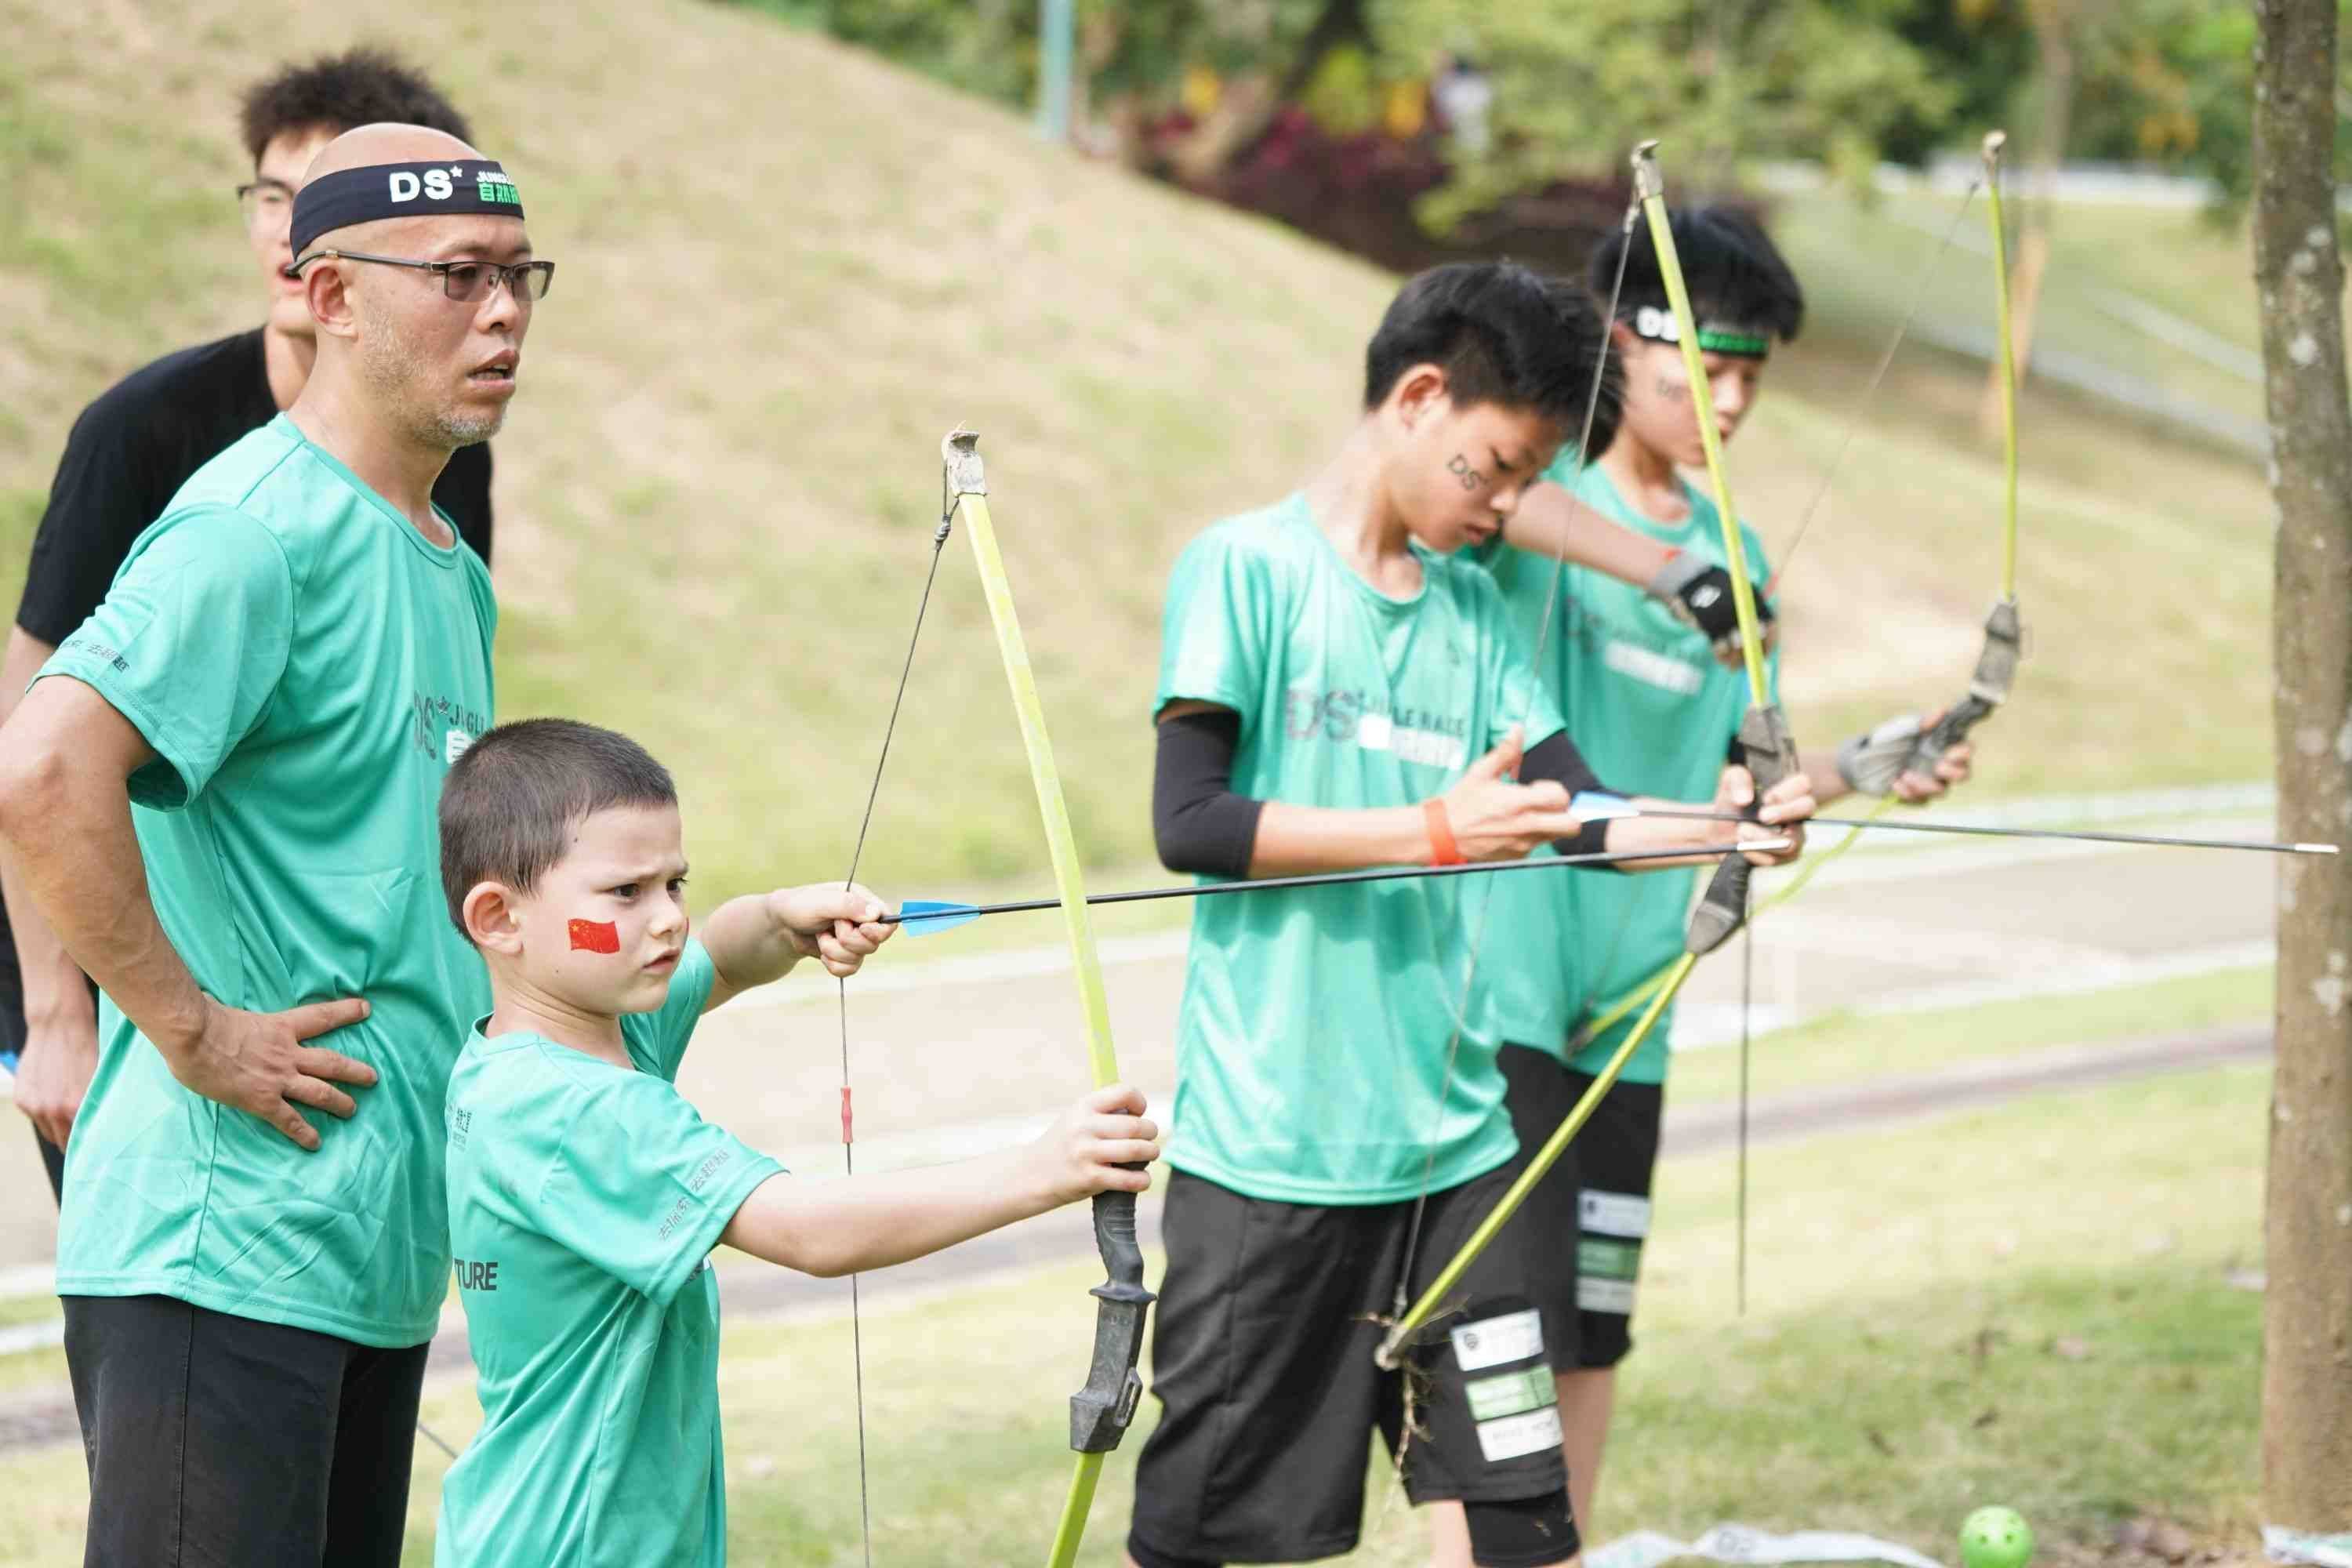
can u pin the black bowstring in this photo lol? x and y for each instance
(841, 989)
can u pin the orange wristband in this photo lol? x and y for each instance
(1443, 850)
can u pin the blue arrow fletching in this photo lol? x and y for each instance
(1593, 806)
(925, 917)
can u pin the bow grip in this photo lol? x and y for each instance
(1988, 690)
(1771, 755)
(1100, 1411)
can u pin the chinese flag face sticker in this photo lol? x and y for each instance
(595, 936)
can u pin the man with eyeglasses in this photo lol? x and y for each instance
(222, 793)
(130, 451)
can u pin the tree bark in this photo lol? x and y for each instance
(2299, 273)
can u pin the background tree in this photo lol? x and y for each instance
(1578, 82)
(2299, 272)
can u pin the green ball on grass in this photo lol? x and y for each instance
(1996, 1538)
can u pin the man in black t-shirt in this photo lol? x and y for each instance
(130, 452)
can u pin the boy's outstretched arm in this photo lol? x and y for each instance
(1552, 523)
(758, 938)
(834, 1227)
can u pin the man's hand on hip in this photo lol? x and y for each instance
(258, 1062)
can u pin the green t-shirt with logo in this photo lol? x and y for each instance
(584, 1200)
(305, 666)
(1653, 714)
(1315, 1022)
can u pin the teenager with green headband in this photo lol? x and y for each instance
(1340, 688)
(1648, 698)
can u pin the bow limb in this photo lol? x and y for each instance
(2004, 634)
(1100, 1411)
(2004, 631)
(1767, 746)
(1771, 750)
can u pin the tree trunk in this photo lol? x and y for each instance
(1251, 102)
(2053, 21)
(2307, 1313)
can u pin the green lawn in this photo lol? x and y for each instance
(1844, 1049)
(2026, 1304)
(1910, 1352)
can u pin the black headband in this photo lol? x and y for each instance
(400, 190)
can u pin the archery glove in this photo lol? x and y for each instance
(1871, 763)
(1699, 594)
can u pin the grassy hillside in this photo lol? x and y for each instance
(787, 269)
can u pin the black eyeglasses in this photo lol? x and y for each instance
(462, 280)
(265, 201)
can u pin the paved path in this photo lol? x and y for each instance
(756, 1290)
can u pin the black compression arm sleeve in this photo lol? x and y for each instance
(1556, 758)
(1198, 823)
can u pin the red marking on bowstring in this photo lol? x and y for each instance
(845, 1115)
(595, 936)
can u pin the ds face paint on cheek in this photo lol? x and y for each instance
(595, 936)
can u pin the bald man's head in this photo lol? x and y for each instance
(419, 274)
(387, 142)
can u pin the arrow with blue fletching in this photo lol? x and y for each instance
(926, 917)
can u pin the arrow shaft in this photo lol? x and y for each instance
(1336, 879)
(2075, 835)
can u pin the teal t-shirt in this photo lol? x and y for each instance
(305, 666)
(584, 1200)
(1653, 714)
(1315, 1025)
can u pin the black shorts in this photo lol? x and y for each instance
(216, 1440)
(1262, 1361)
(1584, 1227)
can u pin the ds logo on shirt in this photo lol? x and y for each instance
(441, 729)
(1412, 734)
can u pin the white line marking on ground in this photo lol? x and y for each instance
(21, 1338)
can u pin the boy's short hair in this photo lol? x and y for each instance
(1503, 334)
(1737, 275)
(339, 93)
(509, 803)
